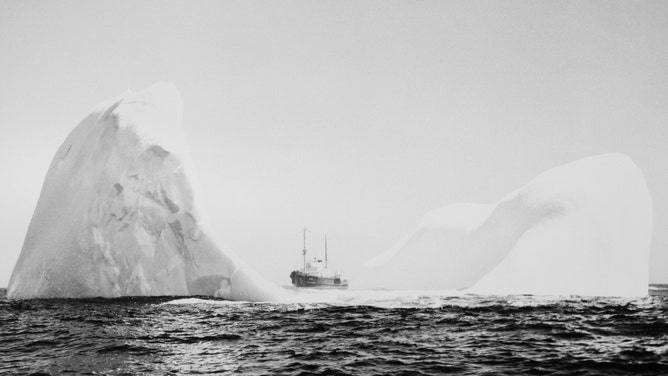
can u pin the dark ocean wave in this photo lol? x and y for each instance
(418, 335)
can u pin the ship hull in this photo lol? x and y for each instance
(301, 279)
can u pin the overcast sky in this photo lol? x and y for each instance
(353, 118)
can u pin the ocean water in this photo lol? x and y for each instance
(344, 333)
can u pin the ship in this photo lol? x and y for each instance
(315, 274)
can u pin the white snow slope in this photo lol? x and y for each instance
(117, 213)
(583, 228)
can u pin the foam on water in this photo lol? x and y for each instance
(317, 299)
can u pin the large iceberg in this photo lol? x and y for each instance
(117, 213)
(583, 228)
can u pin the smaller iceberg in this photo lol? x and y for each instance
(583, 228)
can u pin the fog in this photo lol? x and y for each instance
(350, 118)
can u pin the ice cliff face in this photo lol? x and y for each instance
(583, 228)
(117, 214)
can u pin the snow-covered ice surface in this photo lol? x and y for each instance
(583, 228)
(117, 215)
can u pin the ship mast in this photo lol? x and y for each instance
(325, 251)
(304, 250)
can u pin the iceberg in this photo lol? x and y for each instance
(583, 228)
(117, 215)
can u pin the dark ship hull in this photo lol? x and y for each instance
(301, 279)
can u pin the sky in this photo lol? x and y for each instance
(352, 118)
